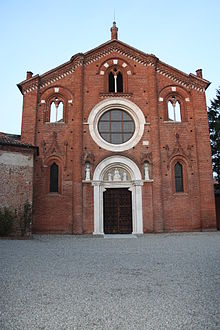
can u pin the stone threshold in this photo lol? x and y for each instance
(110, 236)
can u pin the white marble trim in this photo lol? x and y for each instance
(126, 105)
(134, 185)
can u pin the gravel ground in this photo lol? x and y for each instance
(163, 281)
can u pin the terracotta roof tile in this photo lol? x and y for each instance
(12, 139)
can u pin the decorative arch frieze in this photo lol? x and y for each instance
(54, 147)
(88, 157)
(178, 151)
(51, 158)
(146, 157)
(183, 92)
(181, 79)
(112, 62)
(39, 82)
(122, 50)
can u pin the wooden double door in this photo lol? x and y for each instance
(117, 211)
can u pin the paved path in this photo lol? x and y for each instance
(167, 281)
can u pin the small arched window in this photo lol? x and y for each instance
(56, 111)
(174, 110)
(178, 171)
(54, 175)
(115, 81)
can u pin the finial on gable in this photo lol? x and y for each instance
(114, 31)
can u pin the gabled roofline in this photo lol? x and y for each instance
(208, 83)
(31, 80)
(82, 58)
(62, 65)
(121, 43)
(155, 59)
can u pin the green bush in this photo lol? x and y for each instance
(7, 217)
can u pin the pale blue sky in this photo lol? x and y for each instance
(40, 35)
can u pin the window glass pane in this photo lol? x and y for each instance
(128, 126)
(119, 83)
(116, 138)
(116, 115)
(179, 185)
(127, 136)
(52, 113)
(170, 111)
(111, 82)
(127, 117)
(106, 136)
(54, 178)
(177, 111)
(116, 126)
(103, 126)
(178, 170)
(60, 112)
(105, 116)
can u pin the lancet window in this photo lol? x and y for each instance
(115, 81)
(174, 109)
(54, 176)
(56, 111)
(178, 171)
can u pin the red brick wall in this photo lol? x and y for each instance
(71, 210)
(16, 172)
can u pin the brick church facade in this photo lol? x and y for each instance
(123, 145)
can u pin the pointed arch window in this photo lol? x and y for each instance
(178, 171)
(174, 110)
(115, 81)
(54, 176)
(56, 111)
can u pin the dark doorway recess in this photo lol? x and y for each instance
(117, 211)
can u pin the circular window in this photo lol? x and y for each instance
(116, 126)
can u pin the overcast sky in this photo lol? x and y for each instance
(38, 35)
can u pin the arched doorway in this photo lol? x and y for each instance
(117, 197)
(117, 211)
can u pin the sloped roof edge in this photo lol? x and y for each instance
(83, 56)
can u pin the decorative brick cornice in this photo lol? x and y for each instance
(52, 76)
(107, 95)
(29, 85)
(188, 81)
(60, 72)
(179, 151)
(38, 82)
(121, 49)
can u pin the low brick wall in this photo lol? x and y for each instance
(16, 188)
